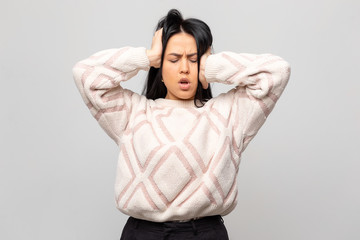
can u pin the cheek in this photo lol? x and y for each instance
(195, 85)
(166, 71)
(194, 71)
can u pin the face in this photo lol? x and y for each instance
(179, 70)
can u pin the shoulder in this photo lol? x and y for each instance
(222, 98)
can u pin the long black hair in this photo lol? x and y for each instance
(174, 23)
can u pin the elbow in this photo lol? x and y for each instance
(281, 66)
(287, 70)
(76, 73)
(287, 66)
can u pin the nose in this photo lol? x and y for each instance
(184, 66)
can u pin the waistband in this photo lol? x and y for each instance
(194, 225)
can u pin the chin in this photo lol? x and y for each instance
(186, 96)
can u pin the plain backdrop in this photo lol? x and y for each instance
(298, 179)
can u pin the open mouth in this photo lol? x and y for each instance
(184, 84)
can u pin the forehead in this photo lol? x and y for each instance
(180, 43)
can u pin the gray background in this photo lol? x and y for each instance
(299, 178)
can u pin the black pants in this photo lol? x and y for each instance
(207, 228)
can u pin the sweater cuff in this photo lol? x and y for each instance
(134, 59)
(218, 69)
(139, 58)
(212, 68)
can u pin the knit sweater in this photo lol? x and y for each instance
(178, 161)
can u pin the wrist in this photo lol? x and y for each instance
(154, 58)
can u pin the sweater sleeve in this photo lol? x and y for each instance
(98, 80)
(259, 79)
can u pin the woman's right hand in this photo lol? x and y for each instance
(154, 54)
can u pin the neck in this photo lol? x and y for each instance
(175, 102)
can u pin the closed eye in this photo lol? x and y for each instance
(175, 60)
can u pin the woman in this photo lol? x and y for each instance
(179, 147)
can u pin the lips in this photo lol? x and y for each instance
(184, 84)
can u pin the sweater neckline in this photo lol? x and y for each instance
(175, 103)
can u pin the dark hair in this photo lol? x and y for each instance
(172, 24)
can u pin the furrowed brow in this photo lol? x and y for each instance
(179, 55)
(191, 54)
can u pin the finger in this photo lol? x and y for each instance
(158, 36)
(159, 32)
(205, 84)
(203, 81)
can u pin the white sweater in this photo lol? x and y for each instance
(178, 161)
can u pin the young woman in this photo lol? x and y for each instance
(179, 148)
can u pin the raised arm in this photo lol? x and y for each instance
(98, 80)
(260, 81)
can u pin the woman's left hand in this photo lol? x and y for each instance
(202, 78)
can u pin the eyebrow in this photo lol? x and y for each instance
(179, 55)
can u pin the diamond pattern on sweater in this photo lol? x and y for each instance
(144, 147)
(203, 129)
(175, 124)
(178, 162)
(171, 175)
(140, 197)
